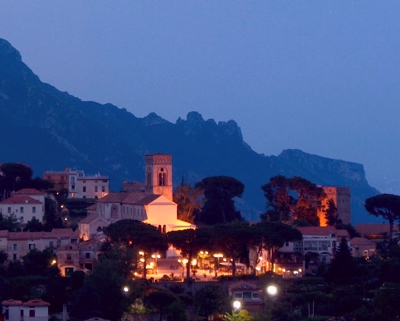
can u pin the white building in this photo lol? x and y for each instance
(33, 310)
(78, 184)
(25, 204)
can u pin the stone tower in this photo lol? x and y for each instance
(159, 175)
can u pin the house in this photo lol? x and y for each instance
(249, 295)
(68, 258)
(318, 246)
(25, 204)
(89, 252)
(376, 232)
(32, 310)
(78, 184)
(18, 244)
(362, 247)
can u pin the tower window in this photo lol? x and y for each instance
(162, 178)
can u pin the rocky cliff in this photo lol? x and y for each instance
(51, 130)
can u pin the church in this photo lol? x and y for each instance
(151, 202)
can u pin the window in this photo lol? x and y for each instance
(256, 295)
(84, 189)
(15, 247)
(69, 271)
(9, 210)
(247, 295)
(104, 181)
(72, 186)
(95, 189)
(238, 295)
(21, 209)
(32, 246)
(103, 188)
(87, 255)
(31, 313)
(21, 219)
(34, 209)
(6, 314)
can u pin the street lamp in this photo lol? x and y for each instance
(156, 256)
(236, 305)
(125, 289)
(272, 290)
(218, 256)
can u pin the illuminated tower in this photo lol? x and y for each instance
(342, 199)
(159, 175)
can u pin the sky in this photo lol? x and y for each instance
(320, 76)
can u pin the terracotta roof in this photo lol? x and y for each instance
(64, 232)
(92, 207)
(55, 233)
(243, 285)
(140, 198)
(361, 241)
(317, 230)
(114, 197)
(90, 218)
(20, 200)
(36, 303)
(28, 191)
(3, 233)
(11, 302)
(374, 228)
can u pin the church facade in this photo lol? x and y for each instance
(151, 202)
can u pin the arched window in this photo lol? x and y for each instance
(162, 177)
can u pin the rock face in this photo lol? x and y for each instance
(49, 129)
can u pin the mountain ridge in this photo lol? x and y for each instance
(51, 130)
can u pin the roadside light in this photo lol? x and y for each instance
(236, 305)
(272, 290)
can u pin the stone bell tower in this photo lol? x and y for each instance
(159, 175)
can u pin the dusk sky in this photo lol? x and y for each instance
(320, 76)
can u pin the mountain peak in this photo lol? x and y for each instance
(8, 52)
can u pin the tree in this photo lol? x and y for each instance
(9, 222)
(102, 293)
(233, 239)
(33, 225)
(331, 213)
(387, 206)
(342, 266)
(189, 200)
(51, 218)
(141, 236)
(40, 263)
(272, 236)
(190, 242)
(160, 299)
(290, 199)
(219, 206)
(15, 175)
(210, 300)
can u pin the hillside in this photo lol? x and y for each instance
(51, 130)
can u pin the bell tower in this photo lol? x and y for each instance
(159, 175)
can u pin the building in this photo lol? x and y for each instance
(376, 232)
(25, 204)
(249, 295)
(318, 246)
(342, 200)
(78, 184)
(18, 244)
(32, 310)
(150, 203)
(362, 247)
